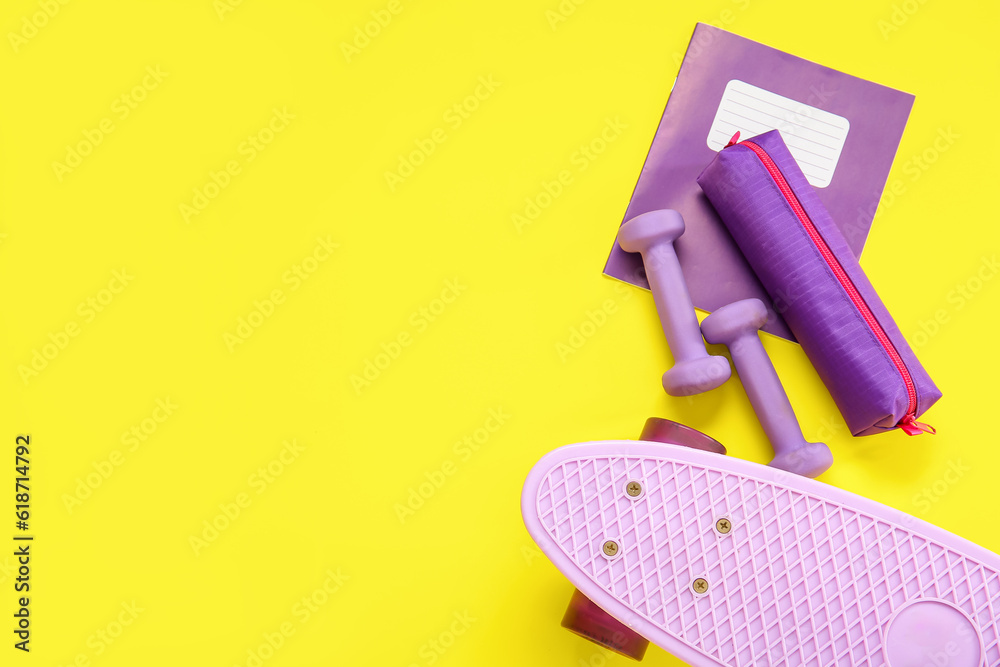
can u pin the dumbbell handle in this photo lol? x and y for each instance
(766, 393)
(735, 326)
(673, 303)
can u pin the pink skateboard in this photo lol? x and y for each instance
(721, 561)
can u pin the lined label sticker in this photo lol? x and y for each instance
(814, 137)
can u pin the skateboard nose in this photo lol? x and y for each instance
(586, 619)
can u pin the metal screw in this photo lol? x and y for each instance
(723, 526)
(633, 489)
(700, 585)
(610, 548)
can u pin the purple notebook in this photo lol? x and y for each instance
(842, 131)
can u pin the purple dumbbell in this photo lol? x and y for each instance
(735, 326)
(653, 234)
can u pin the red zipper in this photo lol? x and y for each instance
(908, 423)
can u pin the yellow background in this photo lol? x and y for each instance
(334, 507)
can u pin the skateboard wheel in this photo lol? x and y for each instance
(672, 433)
(587, 620)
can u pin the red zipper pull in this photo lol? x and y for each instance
(735, 140)
(911, 426)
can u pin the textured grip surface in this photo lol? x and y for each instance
(807, 575)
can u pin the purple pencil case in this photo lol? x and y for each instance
(816, 283)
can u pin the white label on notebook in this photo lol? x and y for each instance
(814, 137)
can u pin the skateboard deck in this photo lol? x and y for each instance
(721, 561)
